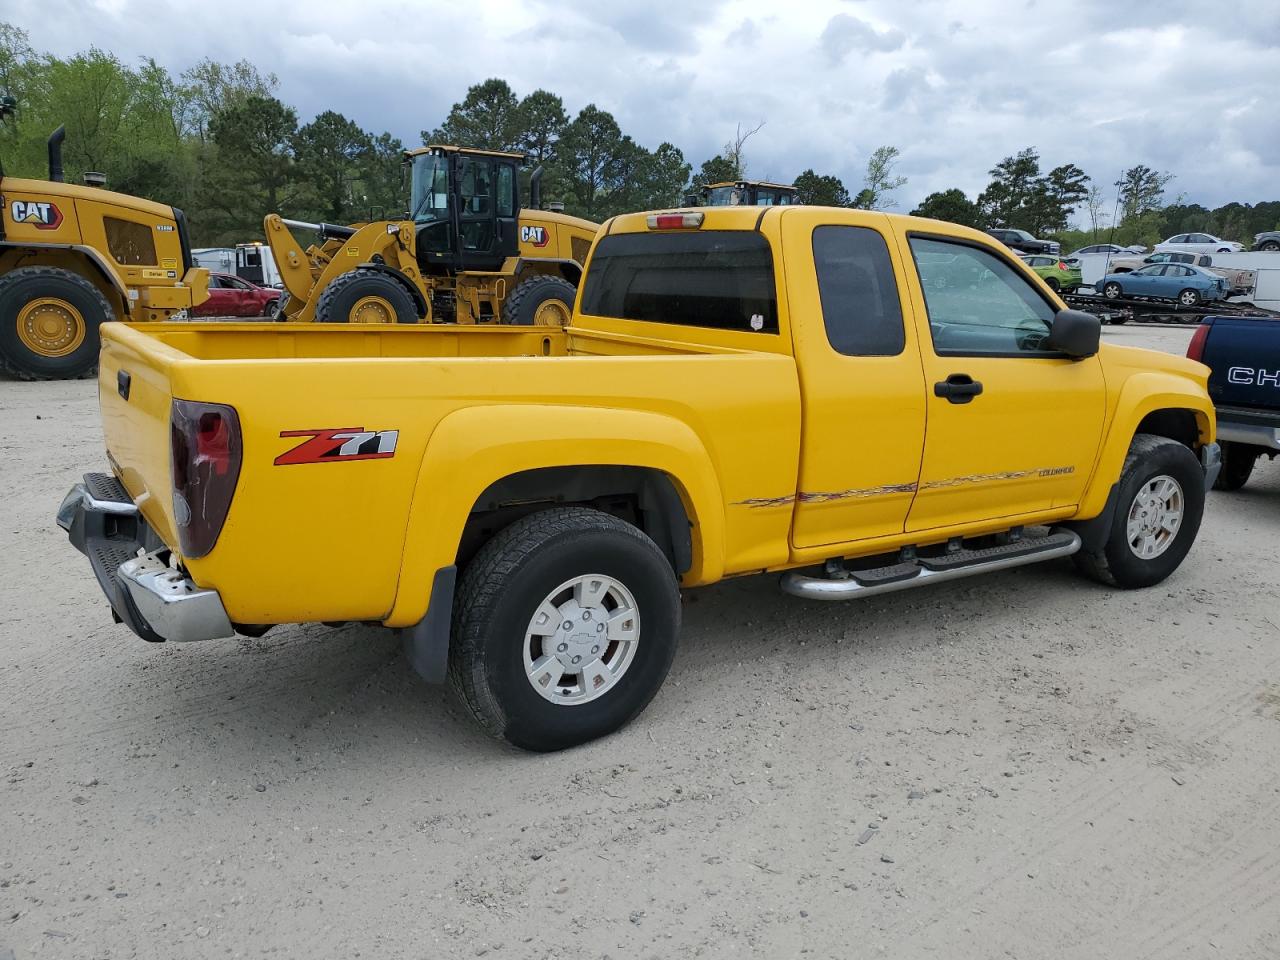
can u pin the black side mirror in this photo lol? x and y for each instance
(1075, 333)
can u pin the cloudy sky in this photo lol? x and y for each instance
(1182, 85)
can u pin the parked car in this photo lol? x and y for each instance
(529, 507)
(1025, 242)
(232, 297)
(1199, 243)
(1058, 274)
(1189, 286)
(1268, 240)
(1243, 356)
(1238, 279)
(1114, 249)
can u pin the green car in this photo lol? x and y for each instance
(1058, 275)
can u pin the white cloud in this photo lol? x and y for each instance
(956, 87)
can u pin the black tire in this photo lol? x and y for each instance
(1189, 297)
(1113, 291)
(1238, 461)
(345, 291)
(502, 588)
(19, 288)
(1119, 321)
(522, 306)
(1270, 246)
(1149, 457)
(1053, 283)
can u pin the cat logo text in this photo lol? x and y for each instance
(339, 445)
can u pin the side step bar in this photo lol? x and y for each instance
(924, 570)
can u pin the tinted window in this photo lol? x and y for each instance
(858, 291)
(129, 242)
(978, 303)
(703, 278)
(506, 190)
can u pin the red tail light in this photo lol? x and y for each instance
(204, 447)
(1195, 349)
(1061, 265)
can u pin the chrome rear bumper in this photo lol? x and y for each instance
(156, 601)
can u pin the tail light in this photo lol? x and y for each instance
(205, 452)
(1061, 265)
(1195, 349)
(674, 221)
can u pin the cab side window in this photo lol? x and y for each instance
(859, 293)
(978, 304)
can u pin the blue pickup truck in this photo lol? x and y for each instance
(1243, 354)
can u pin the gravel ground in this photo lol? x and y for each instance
(1023, 765)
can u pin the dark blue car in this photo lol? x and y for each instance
(1189, 286)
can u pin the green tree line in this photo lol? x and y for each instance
(1133, 211)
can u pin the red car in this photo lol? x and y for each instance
(232, 297)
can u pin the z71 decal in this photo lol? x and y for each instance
(339, 445)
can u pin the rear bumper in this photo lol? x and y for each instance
(1258, 428)
(155, 601)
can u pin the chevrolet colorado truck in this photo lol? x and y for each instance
(1243, 355)
(861, 402)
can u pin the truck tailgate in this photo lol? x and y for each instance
(134, 392)
(1243, 354)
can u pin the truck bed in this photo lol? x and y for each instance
(416, 381)
(1243, 354)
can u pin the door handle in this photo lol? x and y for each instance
(958, 388)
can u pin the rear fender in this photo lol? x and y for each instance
(474, 448)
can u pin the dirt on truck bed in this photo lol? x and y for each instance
(1019, 765)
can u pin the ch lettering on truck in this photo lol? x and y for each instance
(534, 235)
(1250, 376)
(39, 213)
(340, 444)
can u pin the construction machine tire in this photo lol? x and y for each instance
(365, 296)
(49, 320)
(541, 301)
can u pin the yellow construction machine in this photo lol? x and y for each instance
(744, 193)
(73, 257)
(466, 252)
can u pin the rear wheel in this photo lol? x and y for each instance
(1189, 298)
(564, 628)
(365, 296)
(1238, 461)
(49, 320)
(1159, 503)
(1112, 291)
(1053, 284)
(541, 301)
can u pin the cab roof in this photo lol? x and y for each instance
(439, 149)
(752, 183)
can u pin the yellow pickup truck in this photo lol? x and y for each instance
(861, 402)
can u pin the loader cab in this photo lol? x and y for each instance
(465, 205)
(749, 193)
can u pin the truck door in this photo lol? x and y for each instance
(861, 387)
(1013, 428)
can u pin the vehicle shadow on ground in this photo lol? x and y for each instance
(290, 701)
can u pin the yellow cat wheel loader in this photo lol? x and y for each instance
(73, 257)
(466, 253)
(744, 193)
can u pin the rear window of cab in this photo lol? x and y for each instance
(721, 279)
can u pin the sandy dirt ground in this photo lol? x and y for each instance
(1020, 766)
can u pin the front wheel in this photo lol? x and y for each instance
(1271, 246)
(1189, 298)
(1159, 503)
(1112, 291)
(364, 295)
(564, 628)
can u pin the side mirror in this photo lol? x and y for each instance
(1075, 333)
